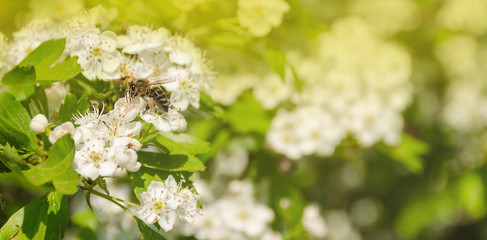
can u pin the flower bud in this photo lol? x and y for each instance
(60, 131)
(38, 123)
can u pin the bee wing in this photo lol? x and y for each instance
(159, 77)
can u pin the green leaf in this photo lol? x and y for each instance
(38, 220)
(247, 115)
(60, 158)
(471, 193)
(55, 201)
(38, 103)
(65, 70)
(46, 54)
(67, 182)
(85, 218)
(22, 92)
(276, 61)
(72, 106)
(14, 125)
(20, 75)
(409, 153)
(38, 65)
(103, 185)
(12, 160)
(147, 232)
(182, 143)
(3, 168)
(173, 163)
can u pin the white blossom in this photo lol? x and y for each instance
(104, 142)
(141, 38)
(94, 160)
(235, 215)
(163, 202)
(165, 122)
(273, 90)
(98, 56)
(260, 16)
(61, 130)
(313, 222)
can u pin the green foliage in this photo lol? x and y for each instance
(55, 170)
(181, 143)
(247, 116)
(147, 232)
(40, 62)
(409, 153)
(173, 163)
(44, 218)
(14, 125)
(158, 166)
(72, 106)
(276, 61)
(20, 75)
(38, 103)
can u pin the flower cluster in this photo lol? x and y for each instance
(313, 222)
(462, 58)
(104, 142)
(464, 15)
(165, 202)
(234, 216)
(356, 84)
(104, 55)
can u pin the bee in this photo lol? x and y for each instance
(148, 87)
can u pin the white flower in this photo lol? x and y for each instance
(126, 109)
(169, 121)
(313, 222)
(282, 135)
(184, 54)
(104, 143)
(162, 202)
(90, 119)
(271, 235)
(141, 38)
(185, 90)
(249, 218)
(60, 131)
(232, 162)
(125, 154)
(273, 90)
(38, 123)
(260, 16)
(149, 62)
(94, 160)
(188, 209)
(98, 55)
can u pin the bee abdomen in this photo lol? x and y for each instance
(160, 98)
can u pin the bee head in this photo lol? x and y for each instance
(132, 90)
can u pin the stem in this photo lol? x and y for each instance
(115, 200)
